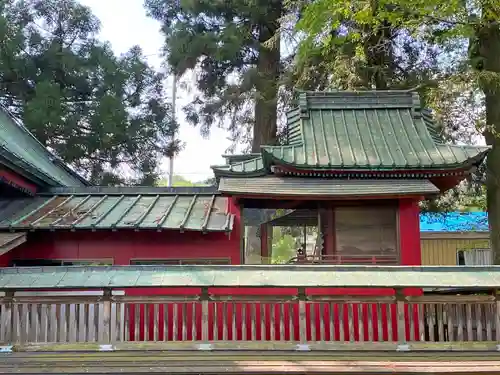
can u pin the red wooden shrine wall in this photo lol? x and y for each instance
(125, 246)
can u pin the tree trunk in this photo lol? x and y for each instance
(488, 39)
(268, 73)
(265, 128)
(378, 50)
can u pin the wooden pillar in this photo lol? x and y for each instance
(328, 230)
(409, 237)
(266, 242)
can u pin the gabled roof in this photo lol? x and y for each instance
(119, 208)
(23, 153)
(359, 131)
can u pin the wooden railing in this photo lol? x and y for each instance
(365, 259)
(205, 320)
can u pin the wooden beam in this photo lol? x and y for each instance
(244, 362)
(9, 241)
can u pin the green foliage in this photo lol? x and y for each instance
(430, 45)
(103, 114)
(237, 75)
(284, 247)
(181, 181)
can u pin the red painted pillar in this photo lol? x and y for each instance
(409, 232)
(409, 243)
(328, 232)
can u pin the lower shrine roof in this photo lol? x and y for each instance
(317, 187)
(111, 208)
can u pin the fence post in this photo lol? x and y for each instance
(303, 346)
(401, 301)
(205, 298)
(6, 322)
(106, 321)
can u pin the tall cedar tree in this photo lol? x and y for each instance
(105, 115)
(237, 72)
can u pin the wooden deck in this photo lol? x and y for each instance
(246, 362)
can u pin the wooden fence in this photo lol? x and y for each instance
(207, 320)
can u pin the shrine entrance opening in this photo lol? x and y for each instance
(320, 232)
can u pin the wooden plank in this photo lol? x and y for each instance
(166, 322)
(341, 311)
(83, 315)
(233, 322)
(302, 322)
(268, 367)
(244, 363)
(137, 321)
(468, 314)
(254, 322)
(450, 324)
(114, 326)
(92, 322)
(183, 322)
(54, 323)
(479, 322)
(175, 333)
(72, 337)
(460, 323)
(44, 323)
(414, 347)
(379, 322)
(244, 321)
(194, 328)
(63, 323)
(312, 322)
(350, 312)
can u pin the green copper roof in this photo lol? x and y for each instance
(21, 151)
(368, 130)
(296, 186)
(249, 167)
(196, 212)
(249, 276)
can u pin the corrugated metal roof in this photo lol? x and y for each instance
(454, 222)
(21, 149)
(249, 276)
(366, 130)
(207, 213)
(295, 186)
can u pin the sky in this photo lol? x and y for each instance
(127, 25)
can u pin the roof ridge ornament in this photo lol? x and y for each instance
(303, 107)
(417, 108)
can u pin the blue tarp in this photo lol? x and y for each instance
(454, 222)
